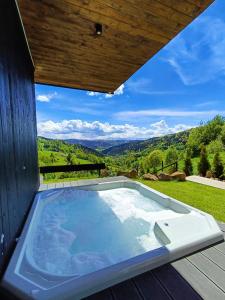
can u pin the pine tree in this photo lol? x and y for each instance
(69, 159)
(52, 157)
(203, 165)
(217, 166)
(188, 168)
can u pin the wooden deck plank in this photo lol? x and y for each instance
(59, 185)
(200, 282)
(215, 256)
(126, 290)
(221, 247)
(81, 182)
(175, 284)
(74, 183)
(51, 185)
(104, 295)
(43, 187)
(150, 288)
(222, 226)
(211, 270)
(67, 184)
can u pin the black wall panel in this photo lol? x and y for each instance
(18, 150)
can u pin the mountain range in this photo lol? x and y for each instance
(120, 147)
(100, 145)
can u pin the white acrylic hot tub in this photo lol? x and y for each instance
(80, 240)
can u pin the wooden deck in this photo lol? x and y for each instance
(198, 276)
(48, 186)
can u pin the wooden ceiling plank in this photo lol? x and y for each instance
(201, 3)
(182, 6)
(71, 83)
(61, 61)
(155, 8)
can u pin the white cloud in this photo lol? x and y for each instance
(162, 128)
(126, 115)
(98, 130)
(46, 97)
(207, 103)
(117, 92)
(197, 54)
(90, 93)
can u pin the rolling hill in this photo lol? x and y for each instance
(61, 145)
(177, 139)
(54, 152)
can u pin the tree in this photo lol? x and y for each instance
(153, 160)
(205, 133)
(141, 169)
(171, 157)
(223, 135)
(188, 168)
(69, 159)
(215, 146)
(195, 139)
(217, 166)
(52, 157)
(203, 165)
(213, 129)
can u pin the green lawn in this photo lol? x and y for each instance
(60, 159)
(206, 198)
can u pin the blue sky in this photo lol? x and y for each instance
(178, 88)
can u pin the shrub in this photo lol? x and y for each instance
(217, 166)
(209, 174)
(203, 165)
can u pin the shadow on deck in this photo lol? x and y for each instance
(198, 276)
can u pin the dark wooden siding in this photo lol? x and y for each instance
(18, 151)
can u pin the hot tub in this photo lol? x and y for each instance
(80, 240)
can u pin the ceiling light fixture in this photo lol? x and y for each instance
(98, 29)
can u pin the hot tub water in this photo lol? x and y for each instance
(80, 231)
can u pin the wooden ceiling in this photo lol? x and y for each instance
(67, 52)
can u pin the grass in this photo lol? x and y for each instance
(60, 159)
(206, 198)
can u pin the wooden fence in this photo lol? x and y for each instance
(72, 168)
